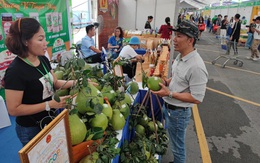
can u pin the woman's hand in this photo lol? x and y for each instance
(164, 91)
(61, 104)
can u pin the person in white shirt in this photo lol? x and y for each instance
(256, 41)
(128, 52)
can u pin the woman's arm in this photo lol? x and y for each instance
(16, 108)
(62, 83)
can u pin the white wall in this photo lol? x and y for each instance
(133, 13)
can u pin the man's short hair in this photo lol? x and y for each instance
(89, 27)
(150, 17)
(257, 18)
(237, 16)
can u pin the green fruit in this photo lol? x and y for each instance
(108, 92)
(151, 126)
(78, 129)
(125, 110)
(144, 120)
(127, 99)
(108, 111)
(63, 92)
(160, 125)
(100, 120)
(140, 129)
(99, 87)
(84, 96)
(59, 74)
(132, 87)
(62, 69)
(118, 120)
(153, 83)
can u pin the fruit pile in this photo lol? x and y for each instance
(98, 109)
(148, 138)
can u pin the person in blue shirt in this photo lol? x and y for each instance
(90, 53)
(115, 42)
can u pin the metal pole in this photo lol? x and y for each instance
(172, 53)
(135, 13)
(155, 8)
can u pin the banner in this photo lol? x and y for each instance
(52, 15)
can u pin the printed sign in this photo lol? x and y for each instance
(52, 144)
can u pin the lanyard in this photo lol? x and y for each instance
(49, 78)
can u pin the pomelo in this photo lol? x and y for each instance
(59, 74)
(140, 129)
(151, 126)
(78, 129)
(132, 87)
(100, 120)
(153, 83)
(107, 110)
(118, 120)
(83, 97)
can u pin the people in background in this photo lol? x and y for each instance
(180, 18)
(250, 37)
(209, 22)
(90, 53)
(148, 23)
(256, 41)
(201, 26)
(128, 52)
(29, 81)
(192, 19)
(219, 20)
(234, 37)
(223, 28)
(165, 29)
(115, 43)
(186, 87)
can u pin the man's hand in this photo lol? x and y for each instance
(164, 91)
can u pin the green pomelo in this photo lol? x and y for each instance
(125, 110)
(111, 95)
(140, 129)
(151, 126)
(132, 87)
(153, 83)
(59, 74)
(118, 120)
(127, 99)
(100, 120)
(160, 125)
(63, 92)
(99, 87)
(84, 96)
(144, 120)
(78, 129)
(108, 111)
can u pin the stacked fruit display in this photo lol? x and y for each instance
(97, 108)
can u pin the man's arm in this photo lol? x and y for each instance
(95, 49)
